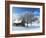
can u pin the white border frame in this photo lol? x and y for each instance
(29, 6)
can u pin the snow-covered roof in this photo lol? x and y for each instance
(17, 21)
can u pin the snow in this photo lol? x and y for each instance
(30, 26)
(16, 21)
(25, 28)
(33, 24)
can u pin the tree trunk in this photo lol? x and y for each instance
(31, 23)
(27, 23)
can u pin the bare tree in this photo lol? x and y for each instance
(28, 18)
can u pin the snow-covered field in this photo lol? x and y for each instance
(30, 26)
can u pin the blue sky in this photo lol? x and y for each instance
(21, 10)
